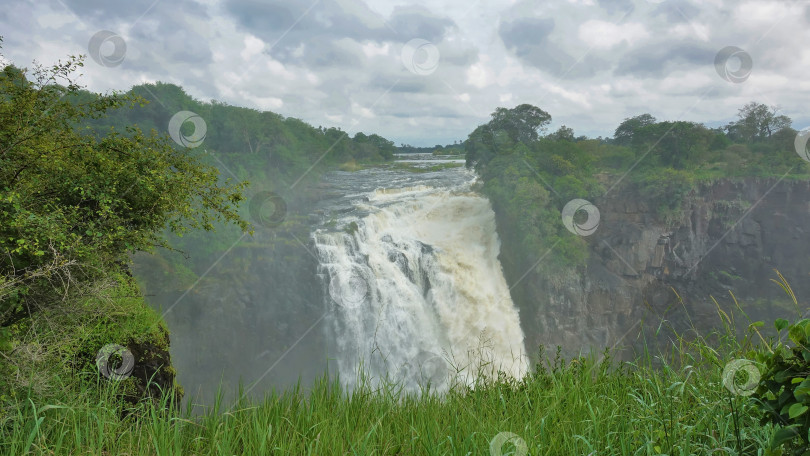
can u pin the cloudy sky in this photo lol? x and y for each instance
(427, 72)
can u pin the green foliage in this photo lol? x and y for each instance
(507, 128)
(73, 205)
(562, 134)
(665, 186)
(521, 123)
(248, 144)
(784, 388)
(757, 122)
(529, 179)
(53, 353)
(80, 190)
(626, 131)
(675, 144)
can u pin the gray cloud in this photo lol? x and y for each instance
(529, 39)
(523, 33)
(659, 59)
(102, 11)
(442, 113)
(410, 23)
(16, 20)
(309, 38)
(617, 6)
(676, 11)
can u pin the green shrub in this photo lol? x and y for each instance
(784, 389)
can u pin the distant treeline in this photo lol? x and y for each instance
(257, 145)
(450, 149)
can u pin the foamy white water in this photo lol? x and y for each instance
(416, 291)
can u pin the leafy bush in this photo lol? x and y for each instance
(73, 205)
(666, 188)
(784, 389)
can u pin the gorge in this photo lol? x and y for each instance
(401, 275)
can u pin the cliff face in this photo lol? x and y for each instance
(729, 237)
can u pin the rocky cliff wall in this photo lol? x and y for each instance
(729, 237)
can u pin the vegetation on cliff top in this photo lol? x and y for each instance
(530, 177)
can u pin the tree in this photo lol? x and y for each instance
(626, 130)
(384, 147)
(479, 147)
(562, 134)
(757, 122)
(521, 124)
(73, 203)
(675, 143)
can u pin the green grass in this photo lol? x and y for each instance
(583, 407)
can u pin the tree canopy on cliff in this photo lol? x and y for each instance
(530, 177)
(506, 128)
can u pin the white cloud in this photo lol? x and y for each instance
(604, 35)
(579, 98)
(269, 103)
(478, 75)
(690, 30)
(253, 47)
(372, 49)
(763, 13)
(362, 111)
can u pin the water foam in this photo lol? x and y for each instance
(416, 292)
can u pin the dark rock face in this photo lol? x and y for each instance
(152, 373)
(729, 238)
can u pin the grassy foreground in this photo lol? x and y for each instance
(584, 407)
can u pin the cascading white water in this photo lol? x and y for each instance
(416, 291)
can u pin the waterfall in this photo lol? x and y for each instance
(416, 292)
